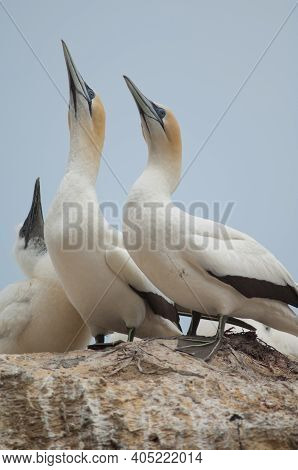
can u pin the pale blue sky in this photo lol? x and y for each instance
(190, 55)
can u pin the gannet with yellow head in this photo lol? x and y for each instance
(214, 269)
(99, 277)
(35, 314)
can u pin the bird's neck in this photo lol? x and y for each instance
(161, 175)
(84, 155)
(28, 258)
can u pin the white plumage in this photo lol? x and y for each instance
(215, 269)
(35, 314)
(99, 277)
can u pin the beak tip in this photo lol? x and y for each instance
(127, 80)
(37, 186)
(65, 49)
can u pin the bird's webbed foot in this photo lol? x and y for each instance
(202, 347)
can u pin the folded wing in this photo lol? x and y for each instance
(123, 266)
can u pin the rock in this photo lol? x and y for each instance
(145, 395)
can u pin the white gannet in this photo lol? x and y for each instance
(200, 264)
(35, 314)
(99, 277)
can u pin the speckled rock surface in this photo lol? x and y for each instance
(146, 395)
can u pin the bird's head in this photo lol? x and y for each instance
(160, 128)
(30, 245)
(86, 117)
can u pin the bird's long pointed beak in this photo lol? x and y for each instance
(77, 84)
(33, 226)
(146, 107)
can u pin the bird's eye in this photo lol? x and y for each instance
(160, 111)
(90, 91)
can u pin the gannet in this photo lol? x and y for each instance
(209, 267)
(35, 314)
(99, 277)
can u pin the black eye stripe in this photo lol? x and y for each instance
(90, 91)
(160, 111)
(91, 95)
